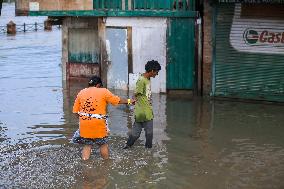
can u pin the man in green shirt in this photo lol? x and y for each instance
(143, 111)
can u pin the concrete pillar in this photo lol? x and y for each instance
(207, 48)
(11, 28)
(47, 25)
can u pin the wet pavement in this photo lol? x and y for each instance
(198, 144)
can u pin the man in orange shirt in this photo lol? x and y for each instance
(90, 105)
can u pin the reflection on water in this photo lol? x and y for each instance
(30, 82)
(198, 144)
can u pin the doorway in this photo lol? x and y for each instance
(117, 46)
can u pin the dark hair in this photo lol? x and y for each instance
(94, 81)
(152, 65)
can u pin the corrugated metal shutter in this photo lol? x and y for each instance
(249, 54)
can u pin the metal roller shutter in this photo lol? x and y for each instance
(249, 52)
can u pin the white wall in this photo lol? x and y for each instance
(148, 43)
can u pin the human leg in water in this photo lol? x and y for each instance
(86, 152)
(134, 135)
(148, 128)
(104, 151)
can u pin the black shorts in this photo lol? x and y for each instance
(88, 141)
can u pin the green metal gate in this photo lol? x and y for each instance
(180, 53)
(249, 54)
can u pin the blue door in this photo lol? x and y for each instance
(116, 43)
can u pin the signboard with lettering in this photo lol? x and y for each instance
(256, 35)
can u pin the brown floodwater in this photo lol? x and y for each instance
(198, 143)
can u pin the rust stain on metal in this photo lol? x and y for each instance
(104, 58)
(82, 70)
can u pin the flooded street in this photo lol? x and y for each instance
(198, 144)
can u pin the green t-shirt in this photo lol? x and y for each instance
(143, 109)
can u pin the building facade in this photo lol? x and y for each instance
(243, 50)
(218, 48)
(115, 39)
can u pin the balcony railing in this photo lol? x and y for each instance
(163, 5)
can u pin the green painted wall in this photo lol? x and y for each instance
(84, 57)
(180, 53)
(83, 45)
(158, 5)
(115, 13)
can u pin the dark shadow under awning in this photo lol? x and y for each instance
(251, 1)
(1, 1)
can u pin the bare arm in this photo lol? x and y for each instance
(126, 101)
(77, 115)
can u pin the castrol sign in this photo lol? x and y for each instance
(256, 35)
(263, 37)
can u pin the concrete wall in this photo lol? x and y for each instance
(207, 48)
(43, 5)
(148, 43)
